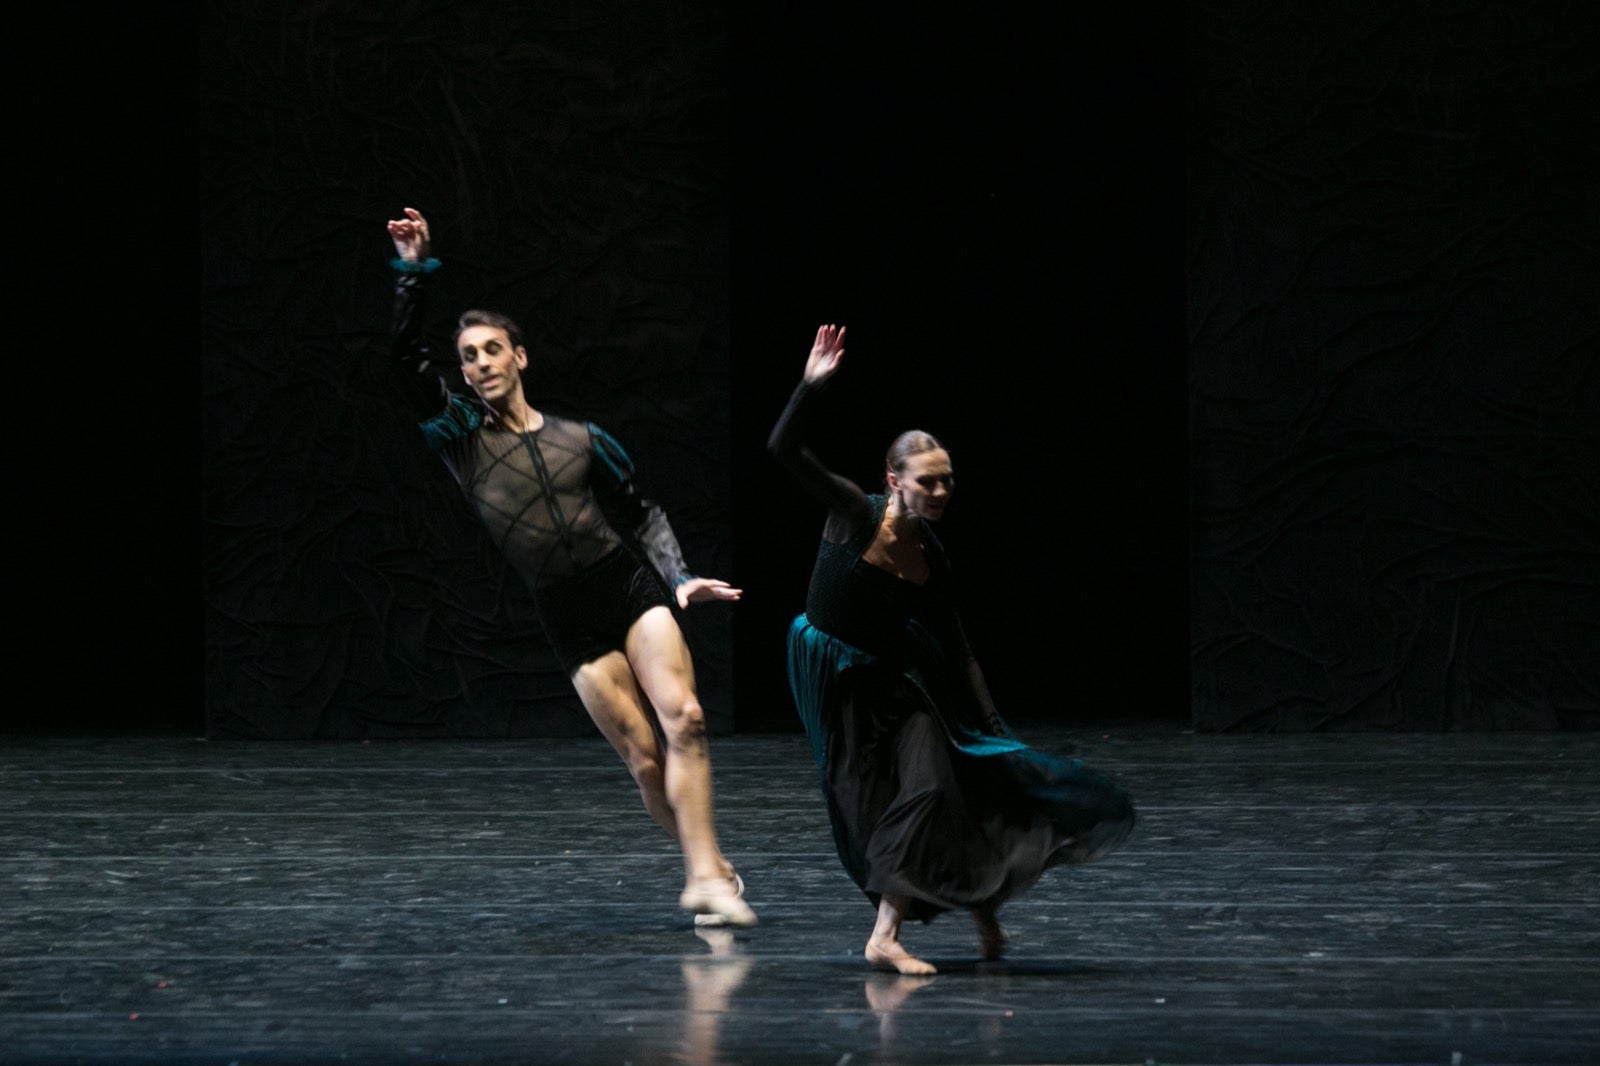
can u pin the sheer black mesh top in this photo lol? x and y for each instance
(552, 499)
(535, 492)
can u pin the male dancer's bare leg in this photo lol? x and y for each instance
(617, 706)
(660, 659)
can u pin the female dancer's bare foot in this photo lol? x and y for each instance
(992, 939)
(718, 897)
(889, 955)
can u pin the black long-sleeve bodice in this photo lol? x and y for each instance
(848, 597)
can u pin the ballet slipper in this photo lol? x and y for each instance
(716, 918)
(889, 955)
(719, 901)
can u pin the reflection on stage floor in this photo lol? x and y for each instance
(1316, 899)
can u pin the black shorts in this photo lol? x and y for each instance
(589, 614)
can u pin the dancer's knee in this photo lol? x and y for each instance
(684, 723)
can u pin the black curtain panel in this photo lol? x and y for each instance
(1392, 293)
(1263, 338)
(570, 158)
(989, 198)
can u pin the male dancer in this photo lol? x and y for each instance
(558, 498)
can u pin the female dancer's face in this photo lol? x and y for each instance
(925, 483)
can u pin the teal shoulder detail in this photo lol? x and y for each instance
(611, 453)
(453, 423)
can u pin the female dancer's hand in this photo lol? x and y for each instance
(826, 352)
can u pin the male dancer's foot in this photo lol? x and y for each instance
(714, 919)
(717, 901)
(886, 954)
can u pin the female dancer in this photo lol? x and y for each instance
(934, 802)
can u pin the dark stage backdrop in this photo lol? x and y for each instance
(989, 198)
(1393, 242)
(1279, 317)
(102, 524)
(672, 197)
(571, 159)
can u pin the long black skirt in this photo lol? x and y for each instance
(927, 807)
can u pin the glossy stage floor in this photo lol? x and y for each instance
(1322, 899)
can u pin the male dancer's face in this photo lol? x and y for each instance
(490, 364)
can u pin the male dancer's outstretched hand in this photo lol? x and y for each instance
(706, 590)
(410, 236)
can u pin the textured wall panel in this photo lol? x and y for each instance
(570, 158)
(1393, 340)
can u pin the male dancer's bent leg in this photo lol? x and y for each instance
(629, 695)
